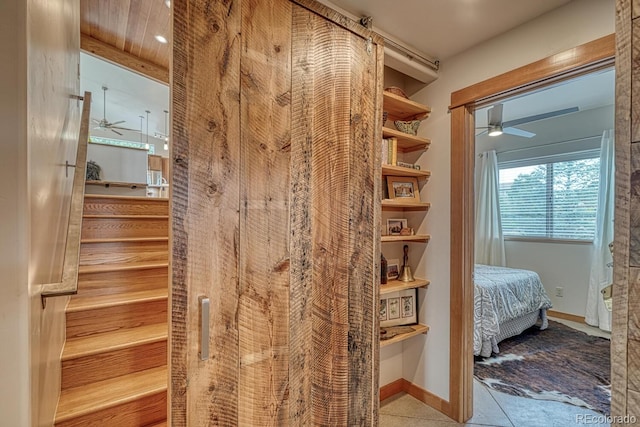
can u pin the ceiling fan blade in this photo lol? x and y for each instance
(483, 132)
(96, 121)
(518, 132)
(123, 128)
(537, 117)
(113, 130)
(494, 115)
(115, 123)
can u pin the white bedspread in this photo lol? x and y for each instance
(502, 294)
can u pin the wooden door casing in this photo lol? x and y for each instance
(276, 179)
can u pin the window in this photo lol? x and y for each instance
(122, 143)
(554, 198)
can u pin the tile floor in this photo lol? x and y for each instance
(492, 408)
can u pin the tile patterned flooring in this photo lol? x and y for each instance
(492, 408)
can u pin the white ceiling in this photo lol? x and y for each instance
(438, 28)
(443, 28)
(586, 92)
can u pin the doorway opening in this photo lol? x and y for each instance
(581, 60)
(544, 203)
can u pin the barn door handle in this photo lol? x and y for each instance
(204, 328)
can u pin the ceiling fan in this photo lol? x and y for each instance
(497, 127)
(106, 124)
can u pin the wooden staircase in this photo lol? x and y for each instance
(114, 362)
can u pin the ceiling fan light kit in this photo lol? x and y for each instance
(495, 130)
(495, 125)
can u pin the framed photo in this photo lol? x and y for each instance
(407, 306)
(403, 188)
(393, 269)
(398, 308)
(383, 310)
(395, 225)
(393, 308)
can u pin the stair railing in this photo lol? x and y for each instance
(68, 284)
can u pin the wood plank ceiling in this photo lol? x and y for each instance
(124, 31)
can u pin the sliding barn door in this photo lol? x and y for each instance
(275, 201)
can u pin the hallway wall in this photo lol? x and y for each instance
(39, 122)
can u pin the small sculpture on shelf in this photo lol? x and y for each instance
(406, 275)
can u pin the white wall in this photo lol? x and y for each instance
(14, 327)
(565, 265)
(53, 123)
(39, 44)
(426, 360)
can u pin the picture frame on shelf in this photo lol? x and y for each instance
(403, 188)
(407, 306)
(383, 310)
(393, 308)
(399, 308)
(393, 269)
(395, 225)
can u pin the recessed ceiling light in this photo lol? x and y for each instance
(161, 39)
(168, 3)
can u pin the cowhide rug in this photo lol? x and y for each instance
(559, 363)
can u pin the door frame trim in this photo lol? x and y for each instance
(588, 57)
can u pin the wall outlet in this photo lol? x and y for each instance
(559, 291)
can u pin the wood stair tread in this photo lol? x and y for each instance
(99, 268)
(80, 303)
(131, 216)
(83, 400)
(132, 198)
(116, 340)
(125, 239)
(160, 424)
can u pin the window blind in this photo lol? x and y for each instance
(554, 198)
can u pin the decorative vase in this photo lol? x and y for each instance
(383, 270)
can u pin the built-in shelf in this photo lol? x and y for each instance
(397, 285)
(108, 184)
(407, 142)
(400, 108)
(402, 171)
(413, 238)
(417, 330)
(392, 204)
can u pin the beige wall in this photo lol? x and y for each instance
(14, 326)
(426, 360)
(53, 123)
(39, 124)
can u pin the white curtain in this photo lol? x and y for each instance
(601, 260)
(489, 246)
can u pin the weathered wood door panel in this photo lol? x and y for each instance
(263, 316)
(276, 179)
(335, 186)
(625, 333)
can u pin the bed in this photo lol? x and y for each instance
(506, 302)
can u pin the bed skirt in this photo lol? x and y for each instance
(513, 327)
